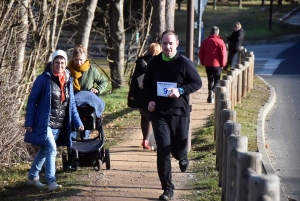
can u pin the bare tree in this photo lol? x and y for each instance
(215, 5)
(116, 43)
(170, 14)
(25, 33)
(21, 37)
(29, 33)
(240, 4)
(85, 23)
(157, 21)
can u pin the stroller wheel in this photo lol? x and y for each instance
(75, 164)
(107, 159)
(97, 165)
(64, 161)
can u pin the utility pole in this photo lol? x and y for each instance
(200, 6)
(199, 26)
(189, 53)
(189, 48)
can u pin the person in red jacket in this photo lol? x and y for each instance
(212, 55)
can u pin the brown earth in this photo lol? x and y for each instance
(133, 174)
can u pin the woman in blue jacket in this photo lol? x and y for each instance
(50, 113)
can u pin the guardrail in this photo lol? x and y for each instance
(240, 171)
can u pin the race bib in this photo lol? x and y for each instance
(162, 88)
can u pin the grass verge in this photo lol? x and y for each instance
(254, 19)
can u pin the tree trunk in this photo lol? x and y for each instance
(240, 3)
(21, 33)
(262, 3)
(279, 2)
(158, 21)
(215, 5)
(116, 43)
(170, 14)
(52, 32)
(85, 23)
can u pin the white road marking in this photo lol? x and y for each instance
(270, 66)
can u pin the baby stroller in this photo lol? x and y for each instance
(88, 152)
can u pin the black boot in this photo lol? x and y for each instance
(211, 97)
(167, 195)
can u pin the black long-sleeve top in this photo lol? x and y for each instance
(134, 89)
(179, 70)
(235, 40)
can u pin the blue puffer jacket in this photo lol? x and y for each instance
(38, 113)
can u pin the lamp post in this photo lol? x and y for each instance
(189, 48)
(189, 53)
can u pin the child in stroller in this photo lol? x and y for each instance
(88, 152)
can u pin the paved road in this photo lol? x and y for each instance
(279, 65)
(294, 18)
(282, 126)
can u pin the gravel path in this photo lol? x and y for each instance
(133, 174)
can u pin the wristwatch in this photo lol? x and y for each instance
(181, 91)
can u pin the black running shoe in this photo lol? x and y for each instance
(167, 195)
(184, 164)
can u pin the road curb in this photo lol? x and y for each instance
(288, 14)
(260, 133)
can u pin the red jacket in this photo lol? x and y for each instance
(213, 52)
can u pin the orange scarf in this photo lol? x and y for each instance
(62, 81)
(76, 72)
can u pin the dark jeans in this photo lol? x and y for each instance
(230, 57)
(213, 76)
(171, 133)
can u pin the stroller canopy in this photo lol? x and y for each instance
(83, 98)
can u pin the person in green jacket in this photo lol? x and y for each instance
(86, 77)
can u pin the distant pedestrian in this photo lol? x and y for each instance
(235, 41)
(212, 55)
(136, 95)
(169, 79)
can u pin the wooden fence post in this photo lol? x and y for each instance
(235, 144)
(244, 80)
(249, 72)
(244, 55)
(226, 115)
(239, 83)
(252, 57)
(218, 90)
(232, 73)
(240, 53)
(223, 104)
(229, 128)
(248, 164)
(229, 79)
(264, 187)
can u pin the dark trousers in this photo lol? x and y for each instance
(230, 57)
(171, 133)
(213, 76)
(145, 122)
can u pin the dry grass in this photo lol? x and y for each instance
(253, 18)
